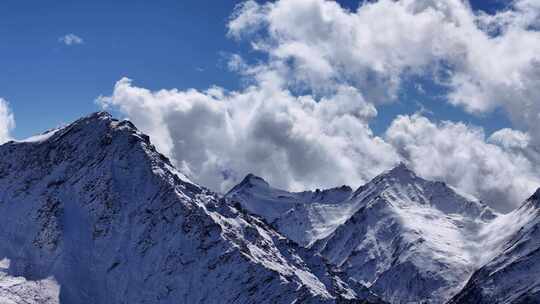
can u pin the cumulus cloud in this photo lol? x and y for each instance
(293, 141)
(299, 142)
(510, 139)
(70, 39)
(485, 61)
(461, 156)
(346, 64)
(327, 45)
(7, 121)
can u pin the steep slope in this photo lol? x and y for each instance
(407, 238)
(412, 240)
(511, 276)
(303, 217)
(94, 211)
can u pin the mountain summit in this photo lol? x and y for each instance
(303, 217)
(407, 238)
(511, 275)
(92, 213)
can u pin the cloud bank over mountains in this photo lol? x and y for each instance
(294, 141)
(303, 119)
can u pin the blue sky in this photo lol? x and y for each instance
(173, 44)
(165, 44)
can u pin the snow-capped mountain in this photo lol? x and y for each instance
(412, 240)
(511, 276)
(407, 238)
(303, 217)
(92, 213)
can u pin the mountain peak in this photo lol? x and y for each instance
(96, 125)
(250, 180)
(250, 177)
(95, 194)
(403, 170)
(94, 118)
(99, 115)
(533, 200)
(400, 173)
(536, 195)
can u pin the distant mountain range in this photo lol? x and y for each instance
(92, 213)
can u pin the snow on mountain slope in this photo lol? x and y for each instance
(16, 290)
(92, 213)
(94, 210)
(407, 238)
(303, 217)
(512, 275)
(411, 240)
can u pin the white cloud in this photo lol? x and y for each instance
(298, 142)
(246, 17)
(509, 139)
(70, 39)
(486, 61)
(328, 45)
(459, 154)
(293, 141)
(349, 62)
(7, 121)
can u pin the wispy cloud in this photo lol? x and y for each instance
(7, 121)
(70, 39)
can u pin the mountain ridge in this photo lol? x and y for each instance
(512, 275)
(480, 235)
(92, 212)
(409, 207)
(77, 209)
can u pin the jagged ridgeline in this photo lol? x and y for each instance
(92, 213)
